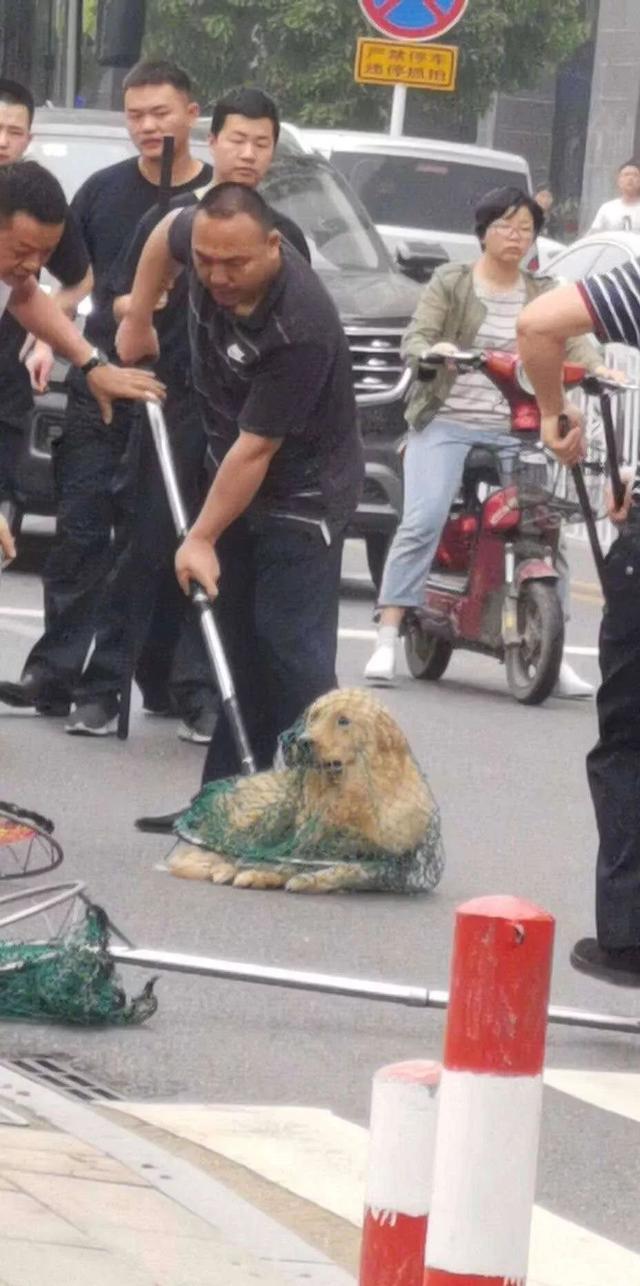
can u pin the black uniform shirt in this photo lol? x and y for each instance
(282, 372)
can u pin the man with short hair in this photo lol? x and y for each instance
(93, 475)
(623, 213)
(272, 369)
(244, 132)
(33, 211)
(609, 305)
(69, 263)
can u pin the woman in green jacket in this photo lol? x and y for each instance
(463, 306)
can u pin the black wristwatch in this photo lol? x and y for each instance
(97, 359)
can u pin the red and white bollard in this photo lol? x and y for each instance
(491, 1095)
(401, 1148)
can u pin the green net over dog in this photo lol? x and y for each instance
(70, 979)
(348, 807)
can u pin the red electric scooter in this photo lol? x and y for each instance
(493, 586)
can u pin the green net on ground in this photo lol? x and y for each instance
(70, 979)
(348, 808)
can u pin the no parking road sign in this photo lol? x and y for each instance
(413, 19)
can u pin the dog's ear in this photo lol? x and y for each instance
(389, 737)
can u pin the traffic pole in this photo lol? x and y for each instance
(398, 1192)
(491, 1095)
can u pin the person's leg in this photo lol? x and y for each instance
(569, 684)
(433, 468)
(613, 769)
(297, 598)
(84, 460)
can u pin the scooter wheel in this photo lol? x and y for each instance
(427, 656)
(534, 664)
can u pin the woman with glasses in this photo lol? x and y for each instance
(463, 306)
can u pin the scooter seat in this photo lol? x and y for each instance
(482, 465)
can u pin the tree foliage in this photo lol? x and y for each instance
(303, 52)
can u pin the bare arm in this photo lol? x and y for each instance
(136, 337)
(42, 315)
(237, 482)
(543, 330)
(39, 362)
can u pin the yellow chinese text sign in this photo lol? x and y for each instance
(382, 62)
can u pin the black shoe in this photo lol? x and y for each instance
(97, 718)
(620, 967)
(35, 691)
(158, 702)
(162, 825)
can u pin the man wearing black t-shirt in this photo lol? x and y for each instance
(91, 470)
(272, 368)
(244, 132)
(69, 263)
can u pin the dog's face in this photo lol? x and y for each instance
(348, 725)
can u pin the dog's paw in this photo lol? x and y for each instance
(258, 878)
(310, 883)
(194, 864)
(222, 873)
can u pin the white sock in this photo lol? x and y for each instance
(387, 635)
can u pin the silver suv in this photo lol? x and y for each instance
(374, 299)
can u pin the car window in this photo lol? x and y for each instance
(338, 231)
(583, 260)
(420, 192)
(73, 159)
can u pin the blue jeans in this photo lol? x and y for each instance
(433, 468)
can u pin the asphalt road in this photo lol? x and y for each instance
(517, 818)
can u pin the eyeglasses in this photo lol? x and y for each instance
(507, 229)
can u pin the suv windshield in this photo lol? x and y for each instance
(74, 158)
(421, 192)
(338, 231)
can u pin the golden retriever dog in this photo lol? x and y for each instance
(350, 810)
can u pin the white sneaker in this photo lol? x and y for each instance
(381, 666)
(570, 686)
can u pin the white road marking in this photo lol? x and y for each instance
(617, 1092)
(322, 1158)
(22, 611)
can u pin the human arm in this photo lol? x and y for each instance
(236, 484)
(136, 337)
(7, 543)
(427, 326)
(71, 267)
(40, 314)
(544, 327)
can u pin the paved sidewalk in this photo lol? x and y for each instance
(73, 1213)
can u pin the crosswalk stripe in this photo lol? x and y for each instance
(322, 1158)
(617, 1092)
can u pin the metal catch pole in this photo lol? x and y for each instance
(335, 985)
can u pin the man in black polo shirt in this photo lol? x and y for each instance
(272, 369)
(610, 306)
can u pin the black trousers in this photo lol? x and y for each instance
(613, 766)
(144, 617)
(11, 440)
(278, 617)
(110, 574)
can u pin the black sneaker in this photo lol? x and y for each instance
(620, 967)
(199, 730)
(94, 718)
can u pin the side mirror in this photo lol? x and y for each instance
(420, 260)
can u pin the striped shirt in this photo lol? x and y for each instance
(613, 300)
(473, 399)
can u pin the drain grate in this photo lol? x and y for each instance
(62, 1074)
